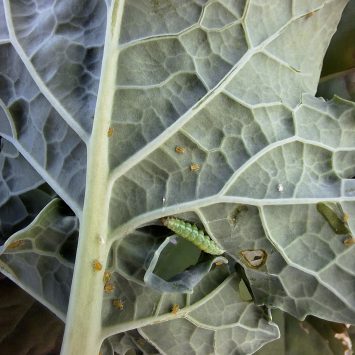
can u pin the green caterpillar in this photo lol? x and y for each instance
(193, 234)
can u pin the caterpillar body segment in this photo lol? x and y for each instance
(194, 235)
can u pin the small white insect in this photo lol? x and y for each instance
(280, 187)
(100, 240)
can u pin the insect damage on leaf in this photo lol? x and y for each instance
(254, 258)
(96, 265)
(191, 233)
(237, 212)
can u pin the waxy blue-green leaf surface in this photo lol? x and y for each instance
(203, 110)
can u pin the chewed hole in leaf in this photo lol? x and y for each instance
(254, 258)
(68, 248)
(155, 230)
(176, 257)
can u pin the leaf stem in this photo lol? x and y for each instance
(83, 324)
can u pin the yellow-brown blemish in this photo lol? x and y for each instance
(180, 150)
(107, 276)
(117, 303)
(96, 265)
(195, 167)
(349, 241)
(175, 308)
(16, 244)
(110, 132)
(109, 287)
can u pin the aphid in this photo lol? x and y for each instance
(96, 265)
(195, 167)
(100, 240)
(109, 287)
(219, 263)
(331, 212)
(107, 276)
(110, 132)
(254, 258)
(193, 234)
(346, 217)
(16, 244)
(180, 150)
(175, 308)
(118, 303)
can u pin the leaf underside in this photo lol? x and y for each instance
(205, 111)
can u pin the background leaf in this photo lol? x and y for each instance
(205, 111)
(312, 336)
(21, 326)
